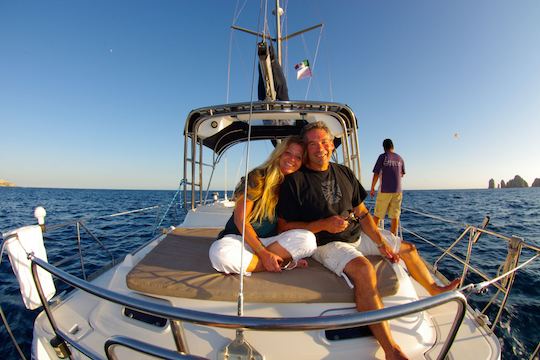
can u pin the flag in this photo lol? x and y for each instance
(302, 70)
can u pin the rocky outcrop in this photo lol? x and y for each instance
(536, 183)
(491, 184)
(6, 183)
(503, 184)
(516, 182)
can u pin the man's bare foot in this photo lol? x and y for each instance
(395, 354)
(440, 289)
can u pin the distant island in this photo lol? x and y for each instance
(516, 182)
(6, 183)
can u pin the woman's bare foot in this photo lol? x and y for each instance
(301, 263)
(436, 290)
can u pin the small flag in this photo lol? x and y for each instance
(302, 70)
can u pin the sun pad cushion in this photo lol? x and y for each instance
(179, 266)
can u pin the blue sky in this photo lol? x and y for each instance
(94, 94)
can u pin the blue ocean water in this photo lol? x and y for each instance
(512, 212)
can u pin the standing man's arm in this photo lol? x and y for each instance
(373, 183)
(376, 174)
(370, 228)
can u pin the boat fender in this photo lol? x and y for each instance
(18, 244)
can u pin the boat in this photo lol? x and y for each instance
(164, 300)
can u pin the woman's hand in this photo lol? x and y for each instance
(270, 261)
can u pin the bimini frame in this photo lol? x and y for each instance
(217, 128)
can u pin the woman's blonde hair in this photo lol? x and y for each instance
(264, 182)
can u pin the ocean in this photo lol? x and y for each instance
(512, 212)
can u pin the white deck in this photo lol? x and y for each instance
(418, 334)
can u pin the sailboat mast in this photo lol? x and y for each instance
(278, 12)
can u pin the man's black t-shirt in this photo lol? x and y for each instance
(308, 195)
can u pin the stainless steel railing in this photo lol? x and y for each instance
(236, 322)
(503, 283)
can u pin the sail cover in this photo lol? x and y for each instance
(280, 83)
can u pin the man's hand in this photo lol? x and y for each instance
(270, 261)
(372, 192)
(334, 224)
(388, 253)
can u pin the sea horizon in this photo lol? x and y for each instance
(153, 189)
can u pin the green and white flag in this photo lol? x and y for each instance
(302, 70)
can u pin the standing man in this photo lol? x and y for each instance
(390, 167)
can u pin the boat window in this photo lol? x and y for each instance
(145, 318)
(347, 333)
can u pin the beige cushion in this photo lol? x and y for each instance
(179, 267)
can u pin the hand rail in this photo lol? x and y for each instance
(145, 348)
(256, 323)
(503, 283)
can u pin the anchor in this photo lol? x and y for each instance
(239, 349)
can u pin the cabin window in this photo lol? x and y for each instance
(347, 333)
(145, 318)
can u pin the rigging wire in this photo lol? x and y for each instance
(237, 13)
(314, 59)
(248, 147)
(10, 333)
(330, 86)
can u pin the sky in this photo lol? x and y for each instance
(94, 94)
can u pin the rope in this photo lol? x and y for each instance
(170, 205)
(481, 285)
(436, 217)
(124, 213)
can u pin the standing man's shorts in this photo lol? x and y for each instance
(337, 254)
(388, 202)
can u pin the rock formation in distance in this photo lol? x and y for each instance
(516, 182)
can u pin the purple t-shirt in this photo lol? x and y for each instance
(391, 168)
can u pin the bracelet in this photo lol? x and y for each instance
(380, 245)
(259, 247)
(362, 216)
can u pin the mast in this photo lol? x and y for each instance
(267, 61)
(279, 12)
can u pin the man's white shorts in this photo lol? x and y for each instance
(337, 254)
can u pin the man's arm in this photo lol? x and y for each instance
(333, 224)
(373, 183)
(371, 230)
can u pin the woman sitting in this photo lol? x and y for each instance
(265, 249)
